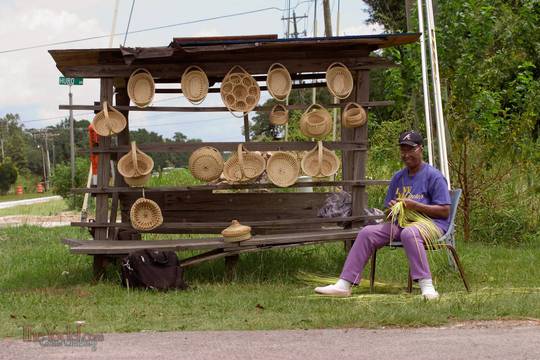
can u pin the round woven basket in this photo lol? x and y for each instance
(278, 81)
(320, 162)
(339, 80)
(194, 84)
(239, 91)
(109, 121)
(136, 167)
(283, 168)
(236, 232)
(145, 215)
(141, 88)
(316, 122)
(279, 115)
(243, 166)
(206, 163)
(353, 115)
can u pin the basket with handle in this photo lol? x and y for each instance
(279, 115)
(194, 84)
(320, 162)
(278, 81)
(206, 163)
(354, 115)
(243, 166)
(145, 215)
(339, 80)
(283, 168)
(109, 121)
(141, 87)
(239, 91)
(136, 167)
(316, 122)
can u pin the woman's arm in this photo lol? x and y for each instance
(433, 211)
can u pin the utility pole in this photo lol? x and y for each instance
(295, 26)
(314, 90)
(48, 158)
(71, 139)
(327, 18)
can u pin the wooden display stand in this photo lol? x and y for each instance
(277, 219)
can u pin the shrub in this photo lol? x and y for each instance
(8, 176)
(61, 182)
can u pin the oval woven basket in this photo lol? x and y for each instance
(136, 167)
(278, 81)
(141, 88)
(339, 80)
(320, 162)
(206, 163)
(283, 168)
(239, 91)
(109, 121)
(236, 232)
(145, 215)
(279, 115)
(316, 122)
(243, 166)
(194, 84)
(353, 115)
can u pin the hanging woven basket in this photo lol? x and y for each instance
(109, 121)
(353, 115)
(194, 84)
(316, 122)
(206, 163)
(141, 88)
(136, 167)
(339, 80)
(239, 91)
(243, 166)
(320, 162)
(278, 81)
(283, 168)
(236, 232)
(145, 215)
(279, 115)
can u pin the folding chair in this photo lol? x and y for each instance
(447, 241)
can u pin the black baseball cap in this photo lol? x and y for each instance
(411, 138)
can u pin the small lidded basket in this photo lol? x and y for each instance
(236, 232)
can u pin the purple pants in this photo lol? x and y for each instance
(373, 237)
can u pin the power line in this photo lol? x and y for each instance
(129, 21)
(147, 29)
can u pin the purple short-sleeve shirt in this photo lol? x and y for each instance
(427, 186)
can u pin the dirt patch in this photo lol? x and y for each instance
(62, 219)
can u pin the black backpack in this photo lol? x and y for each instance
(152, 269)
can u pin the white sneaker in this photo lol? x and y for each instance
(430, 295)
(428, 290)
(332, 290)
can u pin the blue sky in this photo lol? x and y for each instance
(32, 79)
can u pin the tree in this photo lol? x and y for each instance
(8, 176)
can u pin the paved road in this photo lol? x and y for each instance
(493, 340)
(8, 204)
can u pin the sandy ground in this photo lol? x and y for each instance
(471, 340)
(63, 219)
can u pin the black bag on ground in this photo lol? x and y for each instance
(152, 269)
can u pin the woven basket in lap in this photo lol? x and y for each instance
(320, 162)
(194, 84)
(279, 115)
(243, 166)
(339, 80)
(206, 163)
(239, 91)
(283, 168)
(136, 167)
(316, 122)
(141, 88)
(354, 115)
(278, 81)
(145, 215)
(109, 121)
(236, 232)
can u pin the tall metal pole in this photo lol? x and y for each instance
(113, 28)
(71, 139)
(48, 158)
(314, 91)
(427, 108)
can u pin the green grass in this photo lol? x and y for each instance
(43, 285)
(49, 208)
(13, 197)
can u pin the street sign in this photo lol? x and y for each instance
(70, 81)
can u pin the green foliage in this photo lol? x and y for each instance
(8, 176)
(61, 182)
(173, 177)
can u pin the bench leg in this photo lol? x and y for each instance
(231, 263)
(460, 267)
(100, 263)
(409, 282)
(372, 271)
